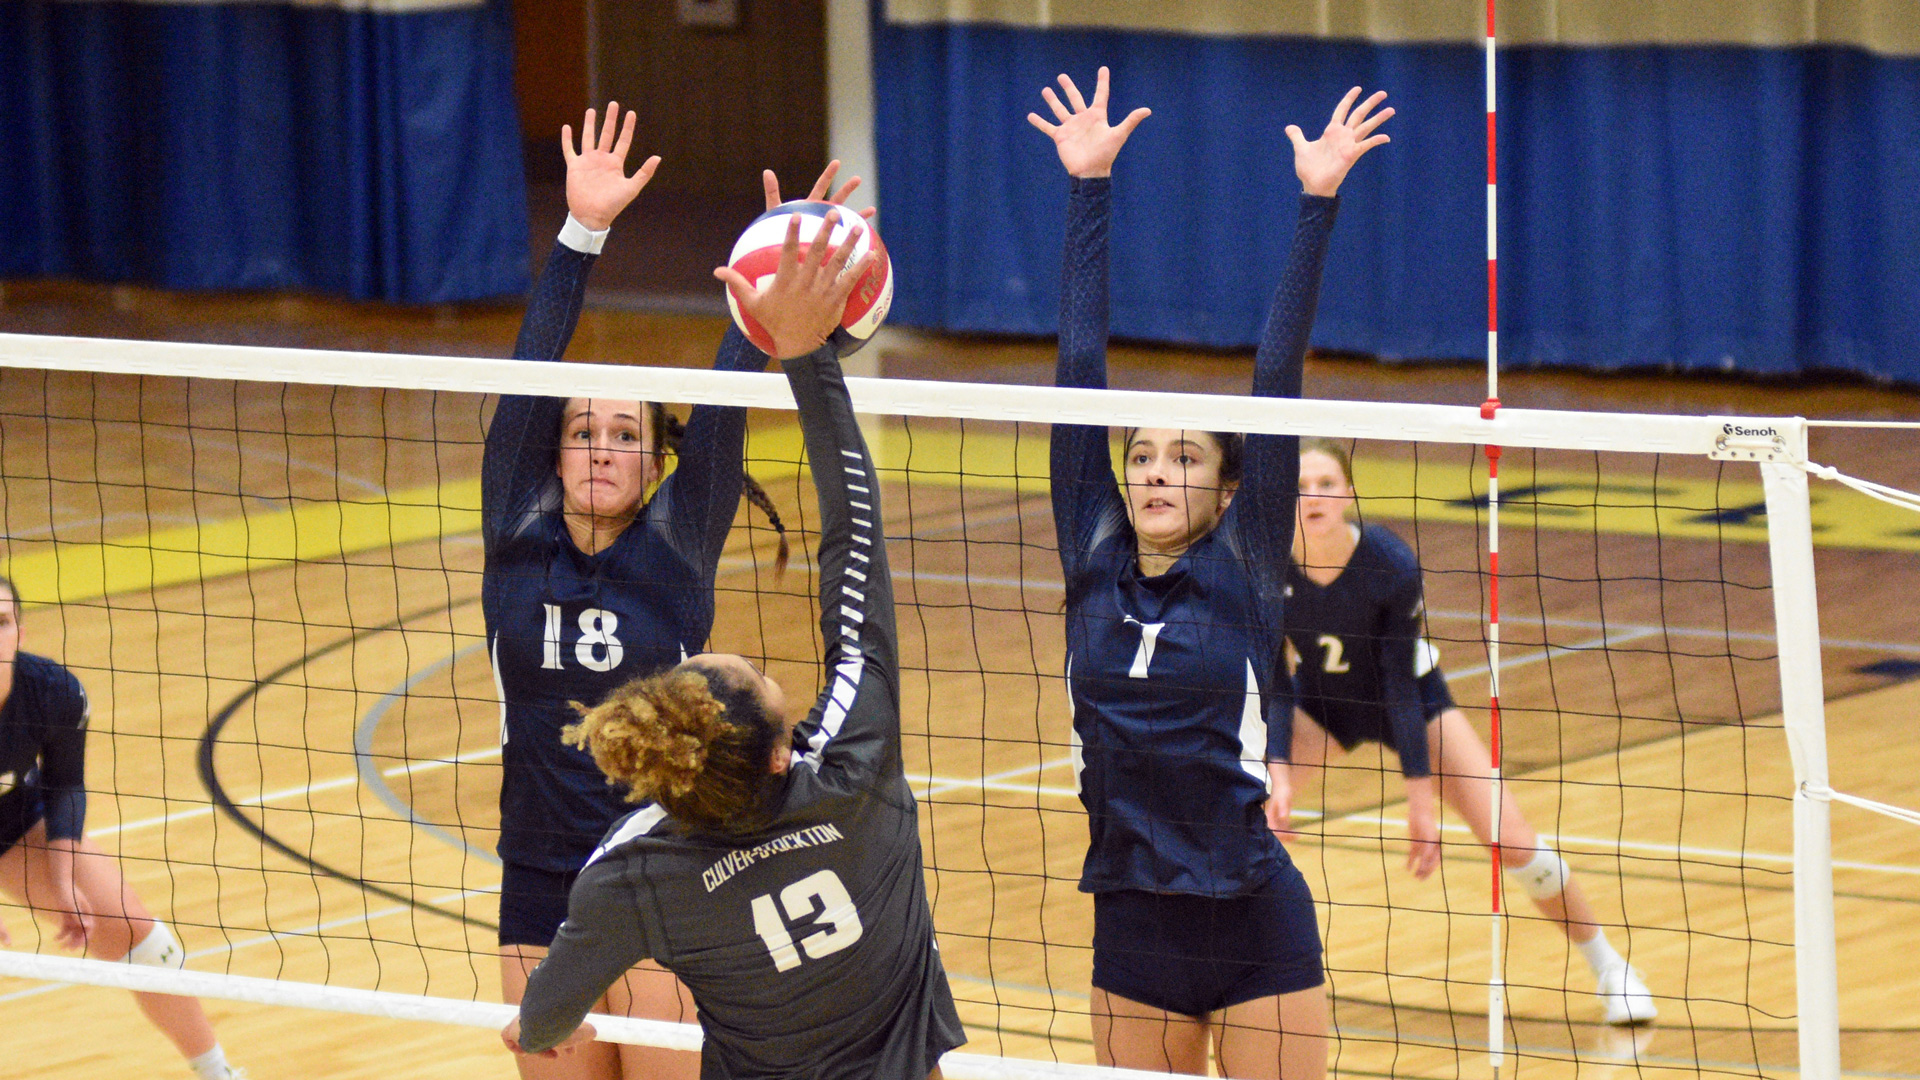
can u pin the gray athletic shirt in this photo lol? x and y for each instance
(808, 945)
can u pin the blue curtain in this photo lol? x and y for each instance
(1677, 206)
(263, 146)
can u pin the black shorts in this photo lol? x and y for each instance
(20, 810)
(1352, 724)
(1195, 955)
(533, 904)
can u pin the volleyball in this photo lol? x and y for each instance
(756, 255)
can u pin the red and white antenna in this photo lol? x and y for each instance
(1496, 981)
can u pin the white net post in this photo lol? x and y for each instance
(1803, 712)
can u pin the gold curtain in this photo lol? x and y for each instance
(1885, 26)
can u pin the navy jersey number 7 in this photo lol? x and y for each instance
(1203, 635)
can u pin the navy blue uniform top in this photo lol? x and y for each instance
(43, 742)
(1361, 654)
(1179, 697)
(566, 626)
(808, 944)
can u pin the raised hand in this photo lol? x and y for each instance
(1323, 163)
(822, 189)
(804, 300)
(598, 186)
(1087, 144)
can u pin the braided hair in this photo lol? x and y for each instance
(669, 431)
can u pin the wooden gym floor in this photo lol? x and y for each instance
(348, 711)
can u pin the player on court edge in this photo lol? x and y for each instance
(46, 861)
(1355, 599)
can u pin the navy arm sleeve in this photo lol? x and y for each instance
(697, 502)
(523, 441)
(63, 763)
(1263, 509)
(1398, 635)
(1085, 494)
(602, 937)
(852, 736)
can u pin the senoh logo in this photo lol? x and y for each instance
(1742, 431)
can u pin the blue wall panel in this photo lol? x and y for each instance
(1694, 208)
(254, 146)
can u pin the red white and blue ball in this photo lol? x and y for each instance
(756, 255)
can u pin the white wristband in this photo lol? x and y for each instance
(582, 239)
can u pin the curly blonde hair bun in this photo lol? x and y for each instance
(685, 739)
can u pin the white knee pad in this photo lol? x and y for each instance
(1545, 875)
(158, 949)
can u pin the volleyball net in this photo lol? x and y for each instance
(265, 566)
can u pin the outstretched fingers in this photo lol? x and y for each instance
(1060, 112)
(844, 250)
(625, 142)
(1340, 110)
(791, 257)
(1132, 121)
(645, 173)
(824, 184)
(1366, 129)
(607, 129)
(1073, 93)
(1360, 115)
(1100, 88)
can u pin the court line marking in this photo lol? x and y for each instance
(1053, 585)
(265, 798)
(375, 780)
(314, 930)
(997, 782)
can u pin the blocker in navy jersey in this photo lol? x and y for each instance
(1365, 673)
(808, 944)
(1179, 698)
(43, 748)
(566, 626)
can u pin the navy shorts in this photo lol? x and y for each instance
(1195, 955)
(1351, 725)
(533, 904)
(20, 810)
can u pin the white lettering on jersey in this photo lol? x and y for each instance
(499, 687)
(1149, 636)
(1425, 658)
(596, 630)
(817, 899)
(1076, 750)
(740, 858)
(1336, 661)
(550, 652)
(1253, 732)
(767, 923)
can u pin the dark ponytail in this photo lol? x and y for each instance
(669, 431)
